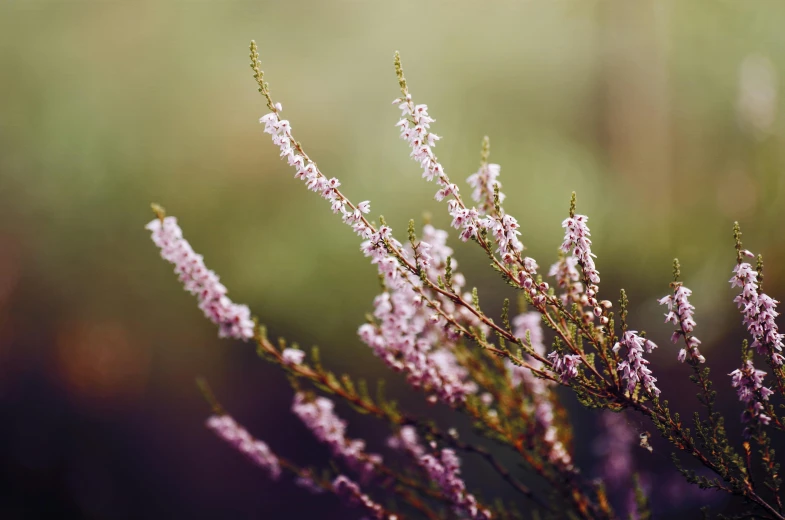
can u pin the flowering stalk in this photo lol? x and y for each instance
(226, 428)
(680, 312)
(233, 320)
(634, 368)
(578, 244)
(758, 310)
(351, 492)
(445, 471)
(528, 325)
(319, 417)
(748, 382)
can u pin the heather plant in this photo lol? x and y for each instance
(502, 372)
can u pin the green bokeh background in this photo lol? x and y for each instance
(106, 107)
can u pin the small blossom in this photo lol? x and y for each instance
(566, 367)
(292, 356)
(484, 183)
(408, 441)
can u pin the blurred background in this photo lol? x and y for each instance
(663, 116)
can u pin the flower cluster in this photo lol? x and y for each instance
(226, 428)
(353, 495)
(566, 366)
(445, 471)
(527, 324)
(409, 337)
(486, 187)
(319, 416)
(292, 356)
(759, 311)
(748, 382)
(680, 312)
(634, 368)
(233, 320)
(577, 243)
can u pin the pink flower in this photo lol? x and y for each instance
(577, 243)
(353, 495)
(409, 337)
(634, 369)
(281, 132)
(408, 441)
(748, 382)
(567, 278)
(759, 311)
(484, 183)
(233, 320)
(566, 367)
(319, 416)
(292, 356)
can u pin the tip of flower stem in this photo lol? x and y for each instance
(159, 211)
(759, 269)
(399, 73)
(737, 239)
(676, 270)
(573, 200)
(486, 150)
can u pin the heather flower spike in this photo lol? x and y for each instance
(501, 374)
(233, 320)
(748, 382)
(680, 313)
(758, 309)
(577, 244)
(226, 428)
